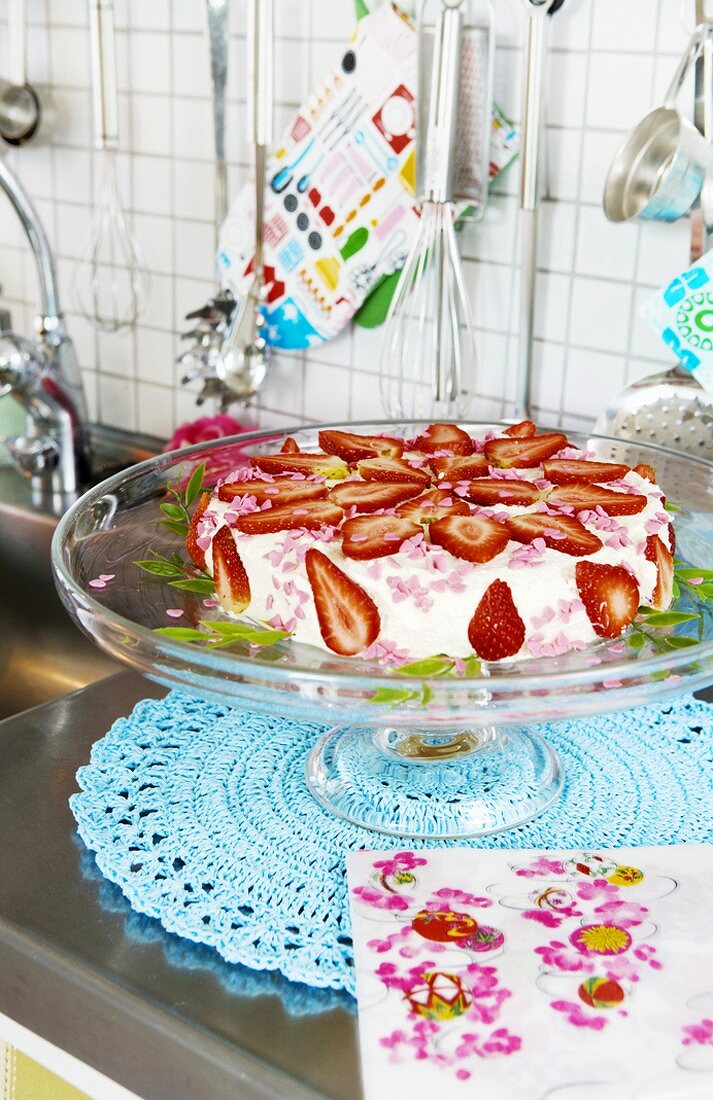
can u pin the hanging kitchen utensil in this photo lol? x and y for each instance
(20, 109)
(530, 185)
(471, 172)
(428, 358)
(672, 408)
(217, 14)
(242, 363)
(111, 282)
(659, 169)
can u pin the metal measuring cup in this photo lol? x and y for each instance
(659, 170)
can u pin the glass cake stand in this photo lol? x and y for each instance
(437, 755)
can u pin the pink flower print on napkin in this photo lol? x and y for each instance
(541, 867)
(700, 1034)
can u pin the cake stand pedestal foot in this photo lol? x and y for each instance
(440, 784)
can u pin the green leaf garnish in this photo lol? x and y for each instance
(181, 633)
(174, 511)
(205, 586)
(393, 697)
(160, 567)
(175, 526)
(440, 665)
(670, 618)
(217, 634)
(195, 484)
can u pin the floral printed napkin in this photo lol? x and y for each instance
(526, 975)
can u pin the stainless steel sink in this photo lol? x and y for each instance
(42, 654)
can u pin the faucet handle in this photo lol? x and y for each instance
(33, 455)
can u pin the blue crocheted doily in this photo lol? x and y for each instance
(201, 815)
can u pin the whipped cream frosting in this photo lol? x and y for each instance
(425, 596)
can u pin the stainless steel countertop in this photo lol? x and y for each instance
(163, 1017)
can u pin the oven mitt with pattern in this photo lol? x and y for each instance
(340, 211)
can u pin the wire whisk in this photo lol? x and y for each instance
(428, 356)
(111, 281)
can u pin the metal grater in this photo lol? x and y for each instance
(475, 98)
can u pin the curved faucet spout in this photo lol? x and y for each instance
(49, 292)
(45, 378)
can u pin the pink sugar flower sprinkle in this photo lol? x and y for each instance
(106, 577)
(210, 603)
(174, 612)
(695, 580)
(97, 583)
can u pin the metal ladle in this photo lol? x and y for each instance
(242, 363)
(20, 110)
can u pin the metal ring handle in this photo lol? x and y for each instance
(698, 38)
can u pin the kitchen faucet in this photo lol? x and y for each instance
(43, 375)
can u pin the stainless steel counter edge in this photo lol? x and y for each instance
(125, 1037)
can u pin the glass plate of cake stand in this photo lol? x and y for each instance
(450, 754)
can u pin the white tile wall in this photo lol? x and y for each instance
(608, 61)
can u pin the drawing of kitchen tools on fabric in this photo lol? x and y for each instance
(396, 119)
(364, 201)
(337, 127)
(384, 163)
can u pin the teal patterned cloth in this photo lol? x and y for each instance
(201, 816)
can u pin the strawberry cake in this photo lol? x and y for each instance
(509, 546)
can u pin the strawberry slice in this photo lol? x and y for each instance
(595, 496)
(282, 490)
(367, 537)
(524, 430)
(472, 538)
(348, 618)
(290, 447)
(647, 472)
(524, 453)
(657, 552)
(195, 553)
(498, 490)
(351, 447)
(563, 533)
(460, 469)
(444, 437)
(568, 471)
(330, 466)
(392, 469)
(291, 517)
(232, 586)
(369, 496)
(610, 596)
(432, 506)
(496, 629)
